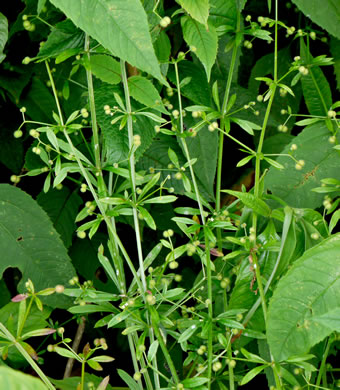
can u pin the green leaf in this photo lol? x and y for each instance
(67, 353)
(335, 51)
(326, 16)
(13, 379)
(161, 199)
(198, 90)
(194, 382)
(204, 147)
(252, 374)
(162, 47)
(31, 243)
(145, 93)
(315, 87)
(72, 383)
(65, 36)
(321, 161)
(117, 141)
(197, 9)
(334, 220)
(121, 26)
(249, 200)
(246, 125)
(62, 207)
(153, 350)
(133, 385)
(40, 6)
(147, 217)
(105, 68)
(187, 333)
(205, 41)
(331, 319)
(3, 35)
(94, 365)
(310, 289)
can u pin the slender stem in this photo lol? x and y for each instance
(207, 250)
(92, 107)
(185, 147)
(163, 346)
(323, 363)
(103, 212)
(75, 346)
(55, 93)
(28, 358)
(132, 171)
(82, 378)
(221, 136)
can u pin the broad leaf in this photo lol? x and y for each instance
(72, 383)
(31, 243)
(62, 208)
(204, 147)
(335, 51)
(15, 380)
(204, 41)
(197, 89)
(64, 36)
(121, 26)
(105, 68)
(310, 290)
(3, 35)
(326, 16)
(117, 141)
(321, 161)
(197, 9)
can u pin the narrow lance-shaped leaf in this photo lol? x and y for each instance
(121, 26)
(249, 200)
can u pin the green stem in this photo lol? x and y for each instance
(28, 358)
(323, 363)
(207, 250)
(92, 108)
(133, 173)
(221, 137)
(82, 378)
(164, 349)
(55, 93)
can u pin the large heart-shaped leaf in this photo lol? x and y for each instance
(321, 161)
(326, 16)
(121, 26)
(13, 379)
(300, 311)
(28, 241)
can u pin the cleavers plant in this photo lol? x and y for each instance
(137, 116)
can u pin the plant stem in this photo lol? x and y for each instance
(133, 174)
(207, 249)
(92, 108)
(223, 112)
(323, 362)
(82, 378)
(28, 358)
